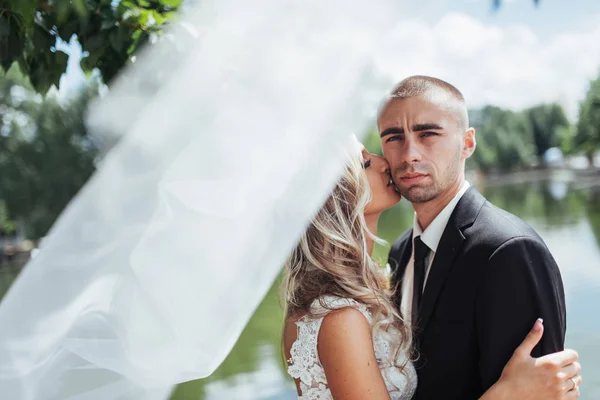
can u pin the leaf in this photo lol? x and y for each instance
(107, 24)
(80, 7)
(4, 27)
(145, 17)
(170, 15)
(89, 63)
(134, 44)
(116, 39)
(128, 4)
(159, 19)
(25, 10)
(63, 10)
(46, 69)
(70, 28)
(12, 43)
(171, 3)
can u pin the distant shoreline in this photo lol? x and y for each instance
(579, 178)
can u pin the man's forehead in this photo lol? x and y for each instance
(415, 107)
(420, 109)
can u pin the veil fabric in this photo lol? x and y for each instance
(232, 131)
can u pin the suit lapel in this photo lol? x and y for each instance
(449, 246)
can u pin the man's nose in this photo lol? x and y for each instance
(412, 152)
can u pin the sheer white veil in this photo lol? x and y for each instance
(232, 130)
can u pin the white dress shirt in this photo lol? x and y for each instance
(431, 237)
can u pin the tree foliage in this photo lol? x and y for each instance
(7, 225)
(46, 154)
(548, 125)
(503, 139)
(109, 31)
(587, 136)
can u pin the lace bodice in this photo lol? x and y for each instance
(304, 363)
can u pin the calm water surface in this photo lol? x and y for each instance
(567, 216)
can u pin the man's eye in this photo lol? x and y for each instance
(367, 164)
(427, 134)
(393, 138)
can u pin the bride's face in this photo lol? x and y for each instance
(383, 191)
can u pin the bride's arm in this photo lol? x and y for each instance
(551, 377)
(346, 353)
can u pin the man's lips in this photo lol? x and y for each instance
(412, 177)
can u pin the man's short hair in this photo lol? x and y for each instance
(430, 87)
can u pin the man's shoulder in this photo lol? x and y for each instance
(496, 226)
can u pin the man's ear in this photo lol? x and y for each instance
(469, 143)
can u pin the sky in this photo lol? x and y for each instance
(515, 57)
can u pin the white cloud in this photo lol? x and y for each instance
(509, 66)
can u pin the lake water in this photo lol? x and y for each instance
(566, 213)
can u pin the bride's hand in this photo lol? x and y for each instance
(554, 376)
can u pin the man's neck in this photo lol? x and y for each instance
(426, 212)
(371, 220)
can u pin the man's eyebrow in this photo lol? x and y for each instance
(392, 131)
(416, 128)
(426, 126)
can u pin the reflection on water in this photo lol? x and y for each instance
(565, 214)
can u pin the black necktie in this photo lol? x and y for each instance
(420, 252)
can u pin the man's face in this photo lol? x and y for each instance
(424, 145)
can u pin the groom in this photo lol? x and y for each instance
(471, 277)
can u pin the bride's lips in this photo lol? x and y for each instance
(411, 178)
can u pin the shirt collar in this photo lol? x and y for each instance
(433, 234)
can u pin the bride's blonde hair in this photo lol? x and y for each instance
(331, 258)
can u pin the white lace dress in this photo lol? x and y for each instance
(304, 363)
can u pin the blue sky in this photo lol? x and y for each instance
(515, 57)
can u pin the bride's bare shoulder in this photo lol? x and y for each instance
(345, 327)
(343, 323)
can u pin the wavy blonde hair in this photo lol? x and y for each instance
(332, 258)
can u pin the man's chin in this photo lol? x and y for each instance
(418, 195)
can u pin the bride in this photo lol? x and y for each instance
(343, 337)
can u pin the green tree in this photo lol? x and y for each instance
(503, 139)
(109, 31)
(46, 154)
(7, 225)
(587, 136)
(548, 125)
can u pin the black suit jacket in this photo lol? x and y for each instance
(491, 277)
